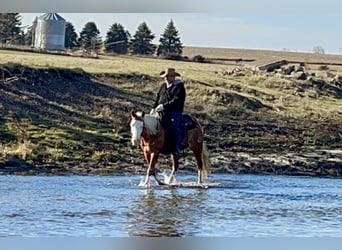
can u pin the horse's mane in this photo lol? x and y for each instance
(151, 124)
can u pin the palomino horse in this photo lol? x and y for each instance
(147, 132)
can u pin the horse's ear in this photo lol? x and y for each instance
(133, 114)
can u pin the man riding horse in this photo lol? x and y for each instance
(170, 102)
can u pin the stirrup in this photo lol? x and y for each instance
(177, 152)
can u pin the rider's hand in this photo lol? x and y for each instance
(159, 108)
(152, 112)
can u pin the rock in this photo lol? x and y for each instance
(300, 75)
(288, 70)
(15, 164)
(272, 66)
(330, 74)
(318, 163)
(300, 69)
(338, 80)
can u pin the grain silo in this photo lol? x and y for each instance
(50, 32)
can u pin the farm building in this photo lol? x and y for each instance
(50, 32)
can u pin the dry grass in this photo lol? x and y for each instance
(262, 56)
(21, 149)
(112, 64)
(201, 79)
(85, 118)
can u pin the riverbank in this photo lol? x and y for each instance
(74, 119)
(322, 163)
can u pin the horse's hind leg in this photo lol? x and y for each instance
(175, 165)
(197, 149)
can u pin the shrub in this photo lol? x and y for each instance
(199, 58)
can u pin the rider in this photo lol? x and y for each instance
(170, 100)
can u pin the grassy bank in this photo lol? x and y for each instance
(63, 110)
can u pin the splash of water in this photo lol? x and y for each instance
(165, 176)
(141, 183)
(168, 179)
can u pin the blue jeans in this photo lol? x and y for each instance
(175, 119)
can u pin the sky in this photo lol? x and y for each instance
(294, 27)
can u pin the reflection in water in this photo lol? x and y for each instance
(165, 213)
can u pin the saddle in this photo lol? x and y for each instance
(187, 123)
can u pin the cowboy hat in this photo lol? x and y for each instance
(169, 72)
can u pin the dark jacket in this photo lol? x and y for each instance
(172, 98)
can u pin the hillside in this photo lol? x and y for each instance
(69, 114)
(261, 57)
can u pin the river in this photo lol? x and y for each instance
(241, 206)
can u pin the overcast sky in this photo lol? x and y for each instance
(294, 26)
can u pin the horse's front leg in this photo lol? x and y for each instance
(148, 160)
(153, 162)
(151, 159)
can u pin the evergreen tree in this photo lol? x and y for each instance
(30, 33)
(117, 39)
(70, 36)
(170, 43)
(89, 37)
(142, 40)
(10, 30)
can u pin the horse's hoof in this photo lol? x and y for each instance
(202, 185)
(142, 185)
(169, 180)
(161, 183)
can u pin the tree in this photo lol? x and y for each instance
(89, 37)
(70, 36)
(10, 30)
(170, 43)
(31, 33)
(117, 39)
(142, 40)
(318, 50)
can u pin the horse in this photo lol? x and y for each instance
(148, 132)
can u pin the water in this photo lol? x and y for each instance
(243, 205)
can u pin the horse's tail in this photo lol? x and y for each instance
(205, 159)
(205, 153)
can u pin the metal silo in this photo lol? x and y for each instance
(50, 32)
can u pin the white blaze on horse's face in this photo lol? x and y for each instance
(136, 131)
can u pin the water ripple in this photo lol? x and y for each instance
(242, 205)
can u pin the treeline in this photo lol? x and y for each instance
(118, 40)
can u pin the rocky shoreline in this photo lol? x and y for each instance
(320, 163)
